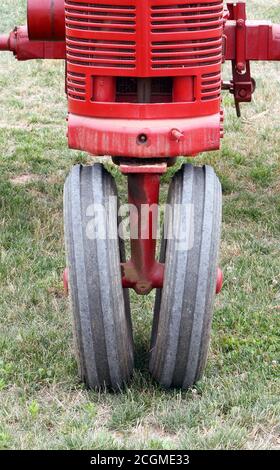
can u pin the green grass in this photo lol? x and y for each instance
(42, 404)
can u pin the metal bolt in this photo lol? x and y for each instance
(240, 23)
(142, 139)
(177, 135)
(242, 93)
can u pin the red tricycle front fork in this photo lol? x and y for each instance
(142, 272)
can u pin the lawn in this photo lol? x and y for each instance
(42, 403)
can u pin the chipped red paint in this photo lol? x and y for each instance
(120, 137)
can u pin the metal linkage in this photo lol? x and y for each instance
(245, 41)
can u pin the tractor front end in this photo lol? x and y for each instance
(144, 77)
(143, 80)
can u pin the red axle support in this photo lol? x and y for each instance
(142, 272)
(157, 280)
(23, 49)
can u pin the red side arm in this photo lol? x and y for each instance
(262, 43)
(24, 49)
(262, 40)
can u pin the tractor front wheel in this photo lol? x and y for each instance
(183, 308)
(102, 324)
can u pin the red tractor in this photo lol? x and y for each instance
(143, 80)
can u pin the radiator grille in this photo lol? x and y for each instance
(144, 37)
(194, 21)
(210, 86)
(100, 17)
(182, 54)
(76, 85)
(151, 38)
(96, 21)
(185, 16)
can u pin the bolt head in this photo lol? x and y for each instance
(242, 93)
(240, 23)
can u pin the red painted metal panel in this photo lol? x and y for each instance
(120, 137)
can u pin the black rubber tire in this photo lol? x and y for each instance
(102, 322)
(183, 308)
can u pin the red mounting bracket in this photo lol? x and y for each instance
(143, 272)
(242, 85)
